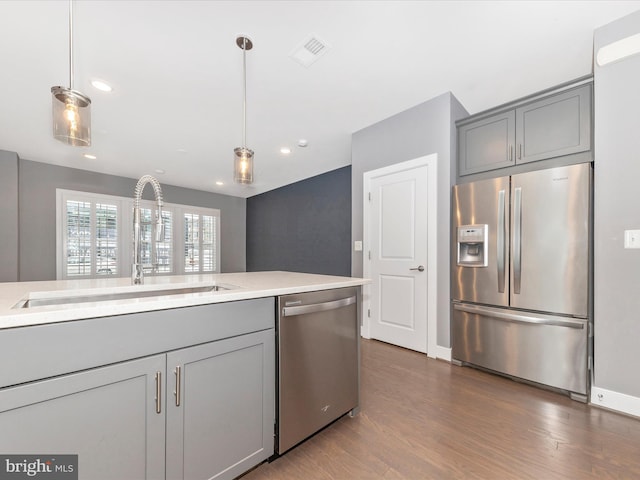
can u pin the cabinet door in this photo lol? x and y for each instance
(107, 416)
(554, 126)
(221, 411)
(486, 144)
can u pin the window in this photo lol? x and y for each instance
(95, 237)
(200, 242)
(90, 226)
(163, 259)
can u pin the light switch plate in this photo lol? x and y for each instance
(357, 245)
(632, 239)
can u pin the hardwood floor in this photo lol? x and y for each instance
(426, 419)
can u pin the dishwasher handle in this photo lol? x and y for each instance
(318, 307)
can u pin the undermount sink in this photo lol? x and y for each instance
(33, 301)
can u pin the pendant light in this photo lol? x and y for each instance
(243, 157)
(71, 109)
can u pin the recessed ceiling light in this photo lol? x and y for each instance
(302, 143)
(159, 171)
(285, 150)
(102, 86)
(89, 156)
(219, 183)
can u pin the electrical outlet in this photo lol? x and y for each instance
(357, 245)
(632, 239)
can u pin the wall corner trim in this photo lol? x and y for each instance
(612, 400)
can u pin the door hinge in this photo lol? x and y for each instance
(369, 252)
(369, 196)
(369, 312)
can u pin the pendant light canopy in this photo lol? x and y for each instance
(243, 156)
(71, 109)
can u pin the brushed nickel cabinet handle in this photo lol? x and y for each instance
(158, 392)
(176, 392)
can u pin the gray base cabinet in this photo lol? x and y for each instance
(536, 128)
(106, 416)
(220, 413)
(199, 412)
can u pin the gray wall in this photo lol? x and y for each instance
(422, 130)
(8, 216)
(616, 209)
(37, 214)
(302, 227)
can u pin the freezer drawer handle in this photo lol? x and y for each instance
(318, 307)
(518, 318)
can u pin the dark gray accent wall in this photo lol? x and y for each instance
(37, 213)
(8, 217)
(302, 227)
(616, 209)
(422, 130)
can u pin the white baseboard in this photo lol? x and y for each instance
(443, 353)
(615, 401)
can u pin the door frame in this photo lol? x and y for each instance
(431, 162)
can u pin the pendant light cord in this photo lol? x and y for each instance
(244, 101)
(70, 44)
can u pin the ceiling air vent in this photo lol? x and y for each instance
(309, 50)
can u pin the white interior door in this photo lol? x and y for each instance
(397, 244)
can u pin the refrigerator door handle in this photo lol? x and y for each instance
(519, 317)
(517, 239)
(500, 241)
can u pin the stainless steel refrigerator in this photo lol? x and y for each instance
(521, 276)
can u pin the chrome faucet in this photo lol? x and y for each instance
(137, 270)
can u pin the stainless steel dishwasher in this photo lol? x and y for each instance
(318, 362)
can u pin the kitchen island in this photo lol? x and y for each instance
(174, 385)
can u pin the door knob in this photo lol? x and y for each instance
(420, 268)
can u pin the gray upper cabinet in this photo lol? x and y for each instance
(554, 126)
(487, 144)
(537, 128)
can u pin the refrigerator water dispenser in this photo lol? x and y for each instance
(472, 245)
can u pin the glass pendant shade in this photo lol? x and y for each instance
(71, 117)
(243, 165)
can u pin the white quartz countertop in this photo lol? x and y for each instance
(245, 286)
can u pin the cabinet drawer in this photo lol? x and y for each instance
(94, 342)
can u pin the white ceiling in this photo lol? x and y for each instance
(177, 76)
